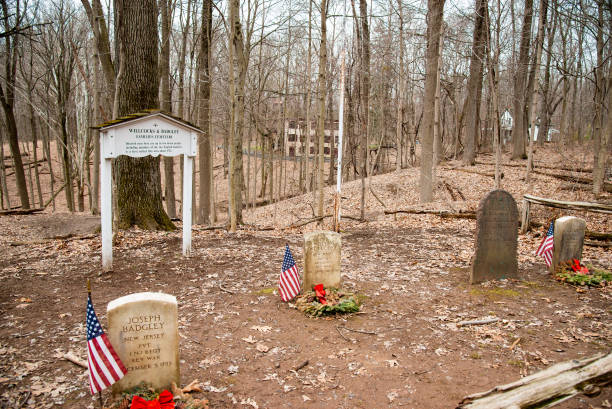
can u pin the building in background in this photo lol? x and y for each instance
(295, 138)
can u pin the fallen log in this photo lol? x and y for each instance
(20, 211)
(561, 204)
(538, 165)
(546, 388)
(576, 179)
(318, 218)
(439, 213)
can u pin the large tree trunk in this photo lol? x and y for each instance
(205, 142)
(166, 102)
(435, 10)
(138, 179)
(520, 85)
(474, 91)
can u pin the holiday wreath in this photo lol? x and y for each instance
(575, 273)
(320, 302)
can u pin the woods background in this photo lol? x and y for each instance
(424, 82)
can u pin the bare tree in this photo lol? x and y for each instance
(475, 79)
(321, 105)
(435, 10)
(520, 85)
(205, 140)
(138, 179)
(12, 19)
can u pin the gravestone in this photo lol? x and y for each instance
(496, 238)
(143, 329)
(568, 239)
(321, 259)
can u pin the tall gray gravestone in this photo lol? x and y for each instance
(143, 329)
(321, 259)
(568, 239)
(496, 238)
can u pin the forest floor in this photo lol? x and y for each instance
(404, 349)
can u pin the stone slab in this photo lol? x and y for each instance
(143, 329)
(495, 254)
(321, 259)
(568, 239)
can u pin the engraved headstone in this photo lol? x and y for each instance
(321, 259)
(143, 329)
(496, 238)
(568, 239)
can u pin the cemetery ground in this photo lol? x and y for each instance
(406, 348)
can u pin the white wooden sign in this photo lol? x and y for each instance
(152, 134)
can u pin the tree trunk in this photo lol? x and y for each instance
(205, 140)
(3, 186)
(321, 105)
(138, 179)
(474, 96)
(520, 88)
(601, 133)
(545, 108)
(7, 98)
(308, 182)
(166, 102)
(365, 99)
(399, 122)
(532, 89)
(238, 67)
(435, 10)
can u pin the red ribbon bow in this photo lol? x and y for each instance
(164, 401)
(578, 268)
(320, 292)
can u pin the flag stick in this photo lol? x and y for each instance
(99, 392)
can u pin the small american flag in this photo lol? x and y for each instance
(546, 247)
(105, 367)
(289, 283)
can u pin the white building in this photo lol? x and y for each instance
(295, 137)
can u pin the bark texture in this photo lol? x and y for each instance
(435, 10)
(520, 85)
(474, 91)
(138, 179)
(204, 142)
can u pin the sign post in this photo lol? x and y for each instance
(149, 133)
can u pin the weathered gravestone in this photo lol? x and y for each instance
(143, 329)
(321, 259)
(496, 238)
(568, 239)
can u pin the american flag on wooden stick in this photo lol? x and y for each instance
(289, 283)
(546, 247)
(105, 367)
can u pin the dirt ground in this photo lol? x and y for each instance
(404, 349)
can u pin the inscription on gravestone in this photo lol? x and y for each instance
(143, 329)
(321, 259)
(568, 239)
(495, 256)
